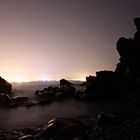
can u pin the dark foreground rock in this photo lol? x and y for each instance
(5, 87)
(108, 126)
(124, 82)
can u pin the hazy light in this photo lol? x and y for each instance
(18, 79)
(82, 79)
(70, 39)
(43, 78)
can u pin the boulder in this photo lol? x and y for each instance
(64, 83)
(5, 87)
(106, 119)
(69, 90)
(113, 119)
(90, 81)
(19, 100)
(105, 86)
(5, 100)
(63, 128)
(129, 50)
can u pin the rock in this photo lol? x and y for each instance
(64, 128)
(126, 77)
(37, 92)
(69, 90)
(106, 85)
(2, 135)
(79, 94)
(5, 87)
(19, 100)
(113, 119)
(106, 119)
(26, 137)
(47, 92)
(43, 97)
(129, 50)
(5, 100)
(64, 83)
(90, 81)
(28, 131)
(137, 34)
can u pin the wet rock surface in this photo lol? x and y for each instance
(108, 126)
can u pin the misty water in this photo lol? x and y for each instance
(22, 117)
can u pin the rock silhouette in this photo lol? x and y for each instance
(5, 92)
(129, 51)
(5, 87)
(125, 80)
(63, 128)
(64, 83)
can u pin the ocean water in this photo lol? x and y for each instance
(22, 117)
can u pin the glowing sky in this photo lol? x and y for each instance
(54, 39)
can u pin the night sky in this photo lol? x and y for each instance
(54, 39)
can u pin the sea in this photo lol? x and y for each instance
(23, 117)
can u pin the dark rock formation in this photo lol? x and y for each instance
(5, 87)
(125, 80)
(69, 91)
(105, 85)
(108, 126)
(64, 83)
(5, 100)
(64, 128)
(19, 100)
(129, 51)
(2, 135)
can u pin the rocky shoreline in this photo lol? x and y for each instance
(108, 126)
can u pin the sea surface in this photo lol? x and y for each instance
(22, 117)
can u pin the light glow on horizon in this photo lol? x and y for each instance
(46, 40)
(18, 79)
(44, 78)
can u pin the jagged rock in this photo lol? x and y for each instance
(113, 119)
(5, 87)
(90, 81)
(5, 100)
(137, 34)
(47, 92)
(107, 119)
(129, 50)
(64, 83)
(28, 131)
(69, 90)
(126, 77)
(19, 100)
(105, 85)
(43, 97)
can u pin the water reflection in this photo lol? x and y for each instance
(25, 117)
